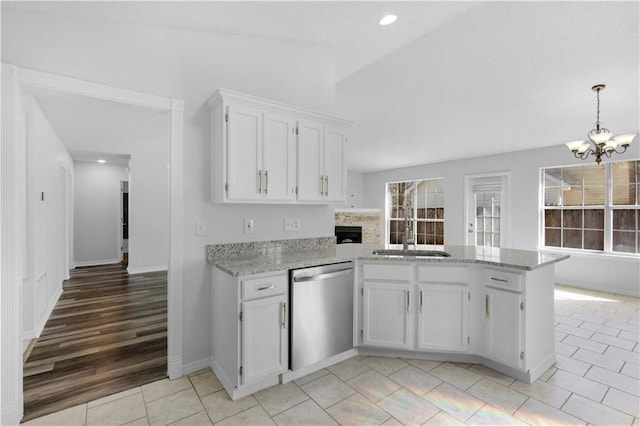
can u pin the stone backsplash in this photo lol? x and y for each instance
(369, 219)
(262, 248)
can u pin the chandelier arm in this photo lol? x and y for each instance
(584, 155)
(624, 149)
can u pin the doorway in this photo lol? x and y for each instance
(487, 210)
(124, 223)
(13, 169)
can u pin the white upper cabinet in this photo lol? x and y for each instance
(267, 152)
(310, 156)
(244, 151)
(278, 157)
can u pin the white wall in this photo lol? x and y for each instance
(189, 66)
(96, 213)
(149, 206)
(355, 190)
(48, 167)
(611, 273)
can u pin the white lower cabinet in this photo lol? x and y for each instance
(264, 338)
(387, 314)
(250, 330)
(443, 317)
(503, 327)
(398, 300)
(499, 317)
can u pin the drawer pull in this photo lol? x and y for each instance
(267, 287)
(408, 301)
(500, 280)
(284, 315)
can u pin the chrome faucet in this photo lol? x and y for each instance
(408, 216)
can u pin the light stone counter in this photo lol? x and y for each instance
(253, 258)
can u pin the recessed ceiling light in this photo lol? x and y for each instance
(101, 161)
(389, 19)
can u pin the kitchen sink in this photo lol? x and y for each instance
(411, 253)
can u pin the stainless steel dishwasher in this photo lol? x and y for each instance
(321, 313)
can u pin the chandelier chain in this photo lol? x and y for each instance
(598, 106)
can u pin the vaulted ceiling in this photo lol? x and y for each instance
(448, 80)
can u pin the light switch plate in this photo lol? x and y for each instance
(201, 227)
(291, 224)
(248, 226)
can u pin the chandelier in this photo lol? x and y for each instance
(599, 140)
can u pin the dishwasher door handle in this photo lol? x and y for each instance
(323, 276)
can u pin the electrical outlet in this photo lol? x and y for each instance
(291, 224)
(248, 226)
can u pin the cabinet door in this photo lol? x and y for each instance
(387, 310)
(310, 153)
(244, 152)
(264, 338)
(334, 167)
(278, 157)
(503, 326)
(443, 317)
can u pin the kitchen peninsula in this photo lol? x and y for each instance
(480, 305)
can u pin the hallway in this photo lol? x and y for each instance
(107, 333)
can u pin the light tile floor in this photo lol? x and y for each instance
(595, 381)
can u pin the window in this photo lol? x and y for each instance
(592, 207)
(422, 202)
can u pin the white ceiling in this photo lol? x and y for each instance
(448, 80)
(93, 129)
(351, 29)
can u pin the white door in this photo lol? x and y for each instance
(443, 317)
(503, 326)
(244, 147)
(264, 338)
(310, 152)
(278, 157)
(487, 220)
(386, 314)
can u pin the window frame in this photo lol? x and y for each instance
(608, 208)
(415, 219)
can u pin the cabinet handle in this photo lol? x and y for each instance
(408, 301)
(500, 280)
(260, 182)
(266, 179)
(321, 185)
(284, 314)
(266, 287)
(486, 306)
(326, 191)
(420, 301)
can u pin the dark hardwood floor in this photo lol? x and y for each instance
(107, 333)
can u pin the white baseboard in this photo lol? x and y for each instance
(11, 413)
(27, 337)
(47, 313)
(95, 262)
(196, 366)
(175, 368)
(605, 289)
(146, 269)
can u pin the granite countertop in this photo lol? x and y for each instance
(277, 260)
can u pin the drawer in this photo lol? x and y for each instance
(443, 274)
(504, 279)
(386, 272)
(253, 288)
